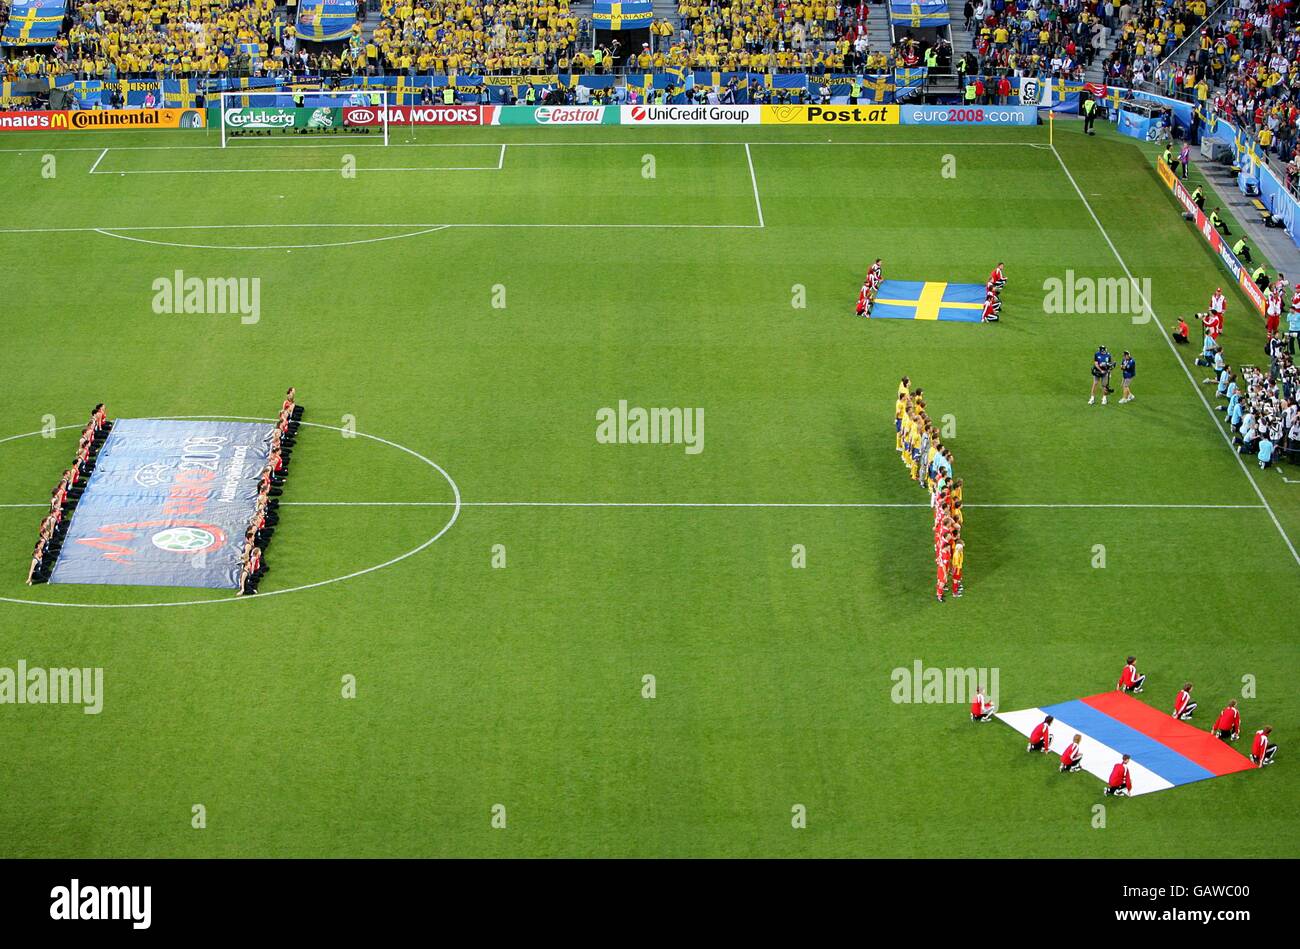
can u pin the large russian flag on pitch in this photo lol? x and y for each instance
(1164, 751)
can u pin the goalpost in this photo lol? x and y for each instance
(304, 111)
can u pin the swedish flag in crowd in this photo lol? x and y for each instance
(918, 13)
(323, 21)
(628, 15)
(34, 23)
(929, 300)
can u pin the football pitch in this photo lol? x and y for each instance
(631, 649)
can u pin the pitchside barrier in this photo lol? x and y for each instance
(240, 111)
(1212, 237)
(251, 116)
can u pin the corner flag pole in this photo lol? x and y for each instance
(1050, 124)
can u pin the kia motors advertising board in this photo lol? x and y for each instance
(690, 114)
(413, 115)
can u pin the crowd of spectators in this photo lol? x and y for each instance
(470, 36)
(110, 39)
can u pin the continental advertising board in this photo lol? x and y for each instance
(101, 119)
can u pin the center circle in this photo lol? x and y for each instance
(455, 513)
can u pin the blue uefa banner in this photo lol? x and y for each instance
(168, 504)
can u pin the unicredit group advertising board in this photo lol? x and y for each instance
(690, 114)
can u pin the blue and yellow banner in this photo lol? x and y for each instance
(629, 15)
(919, 14)
(33, 23)
(929, 300)
(320, 21)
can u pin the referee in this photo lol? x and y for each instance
(1101, 366)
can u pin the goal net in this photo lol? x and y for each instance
(305, 112)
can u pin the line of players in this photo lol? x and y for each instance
(1227, 727)
(929, 463)
(270, 486)
(66, 494)
(992, 291)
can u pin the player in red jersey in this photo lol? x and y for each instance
(864, 299)
(1129, 680)
(1072, 757)
(981, 709)
(1121, 782)
(1040, 739)
(1263, 749)
(997, 279)
(943, 561)
(992, 307)
(1228, 725)
(1183, 704)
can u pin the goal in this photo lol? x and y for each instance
(306, 111)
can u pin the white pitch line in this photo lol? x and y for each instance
(753, 180)
(1150, 312)
(501, 162)
(421, 227)
(98, 160)
(296, 171)
(740, 504)
(756, 504)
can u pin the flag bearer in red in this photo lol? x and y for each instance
(1072, 757)
(1263, 749)
(864, 299)
(1129, 680)
(997, 279)
(1121, 782)
(1218, 305)
(1040, 739)
(1183, 704)
(1228, 725)
(981, 710)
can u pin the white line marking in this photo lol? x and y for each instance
(111, 231)
(741, 504)
(455, 514)
(296, 171)
(754, 181)
(1168, 342)
(501, 162)
(367, 240)
(98, 160)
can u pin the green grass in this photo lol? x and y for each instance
(521, 686)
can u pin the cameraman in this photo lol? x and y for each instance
(1101, 366)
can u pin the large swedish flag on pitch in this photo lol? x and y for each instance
(321, 21)
(34, 23)
(918, 14)
(928, 300)
(628, 15)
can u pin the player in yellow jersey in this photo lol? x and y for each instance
(958, 559)
(900, 410)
